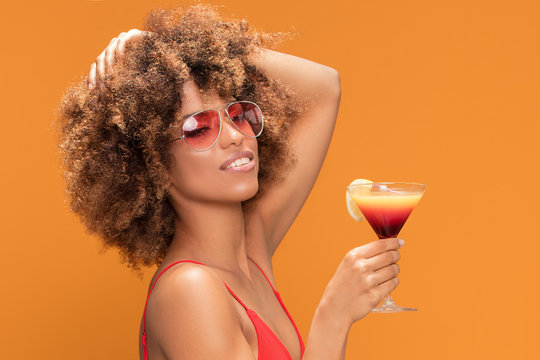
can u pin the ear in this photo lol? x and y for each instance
(168, 183)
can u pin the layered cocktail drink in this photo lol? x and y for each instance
(386, 206)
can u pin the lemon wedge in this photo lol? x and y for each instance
(353, 209)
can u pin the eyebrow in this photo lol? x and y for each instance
(214, 108)
(189, 115)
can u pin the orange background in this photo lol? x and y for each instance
(440, 92)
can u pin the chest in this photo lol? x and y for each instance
(269, 331)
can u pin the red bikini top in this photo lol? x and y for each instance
(269, 344)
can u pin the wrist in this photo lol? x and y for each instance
(334, 319)
(328, 334)
(256, 56)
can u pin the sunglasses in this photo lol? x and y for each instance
(201, 130)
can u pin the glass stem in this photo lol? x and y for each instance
(388, 301)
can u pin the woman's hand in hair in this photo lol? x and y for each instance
(100, 69)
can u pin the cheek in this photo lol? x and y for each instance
(193, 176)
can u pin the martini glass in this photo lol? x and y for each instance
(386, 206)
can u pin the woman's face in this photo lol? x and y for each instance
(199, 175)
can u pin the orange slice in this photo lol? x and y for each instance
(353, 209)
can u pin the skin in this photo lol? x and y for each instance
(212, 228)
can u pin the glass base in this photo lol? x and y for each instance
(389, 306)
(391, 309)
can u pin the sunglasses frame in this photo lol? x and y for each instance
(218, 109)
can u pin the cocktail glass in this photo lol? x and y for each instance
(386, 206)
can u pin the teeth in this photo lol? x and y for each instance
(239, 162)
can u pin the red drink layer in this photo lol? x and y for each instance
(386, 213)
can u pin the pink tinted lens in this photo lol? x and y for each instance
(202, 129)
(247, 117)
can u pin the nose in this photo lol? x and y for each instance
(229, 132)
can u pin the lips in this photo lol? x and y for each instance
(238, 155)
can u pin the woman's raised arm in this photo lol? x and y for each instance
(319, 87)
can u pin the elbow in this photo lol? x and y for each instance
(333, 81)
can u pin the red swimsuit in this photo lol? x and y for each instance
(270, 346)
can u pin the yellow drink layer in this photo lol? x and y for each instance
(385, 201)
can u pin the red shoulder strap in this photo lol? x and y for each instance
(302, 346)
(146, 303)
(154, 284)
(263, 274)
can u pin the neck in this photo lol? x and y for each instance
(212, 233)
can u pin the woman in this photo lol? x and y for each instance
(194, 147)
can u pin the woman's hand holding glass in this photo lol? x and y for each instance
(100, 68)
(365, 276)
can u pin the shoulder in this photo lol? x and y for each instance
(190, 285)
(190, 312)
(185, 278)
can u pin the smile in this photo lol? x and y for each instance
(241, 165)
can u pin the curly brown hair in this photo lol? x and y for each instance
(114, 138)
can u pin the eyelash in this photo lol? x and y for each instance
(196, 132)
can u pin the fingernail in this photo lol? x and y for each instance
(90, 85)
(401, 242)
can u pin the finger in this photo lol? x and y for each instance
(110, 52)
(386, 258)
(92, 76)
(120, 46)
(387, 287)
(382, 275)
(100, 66)
(125, 37)
(134, 32)
(112, 40)
(378, 246)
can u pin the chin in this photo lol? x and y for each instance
(242, 188)
(239, 191)
(247, 192)
(253, 193)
